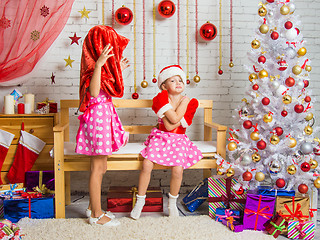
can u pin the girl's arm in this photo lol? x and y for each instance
(168, 125)
(95, 82)
(174, 116)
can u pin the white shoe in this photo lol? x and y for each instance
(108, 214)
(111, 223)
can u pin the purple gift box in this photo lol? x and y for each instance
(234, 225)
(258, 210)
(44, 180)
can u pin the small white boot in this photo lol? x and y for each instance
(172, 206)
(137, 209)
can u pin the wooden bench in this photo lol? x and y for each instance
(128, 157)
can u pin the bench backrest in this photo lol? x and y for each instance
(65, 105)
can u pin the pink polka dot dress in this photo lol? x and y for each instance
(170, 149)
(100, 131)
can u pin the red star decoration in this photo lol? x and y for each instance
(74, 39)
(44, 11)
(5, 22)
(52, 79)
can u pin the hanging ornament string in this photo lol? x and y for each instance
(178, 32)
(187, 32)
(231, 23)
(135, 46)
(154, 80)
(112, 12)
(103, 23)
(220, 72)
(196, 78)
(144, 83)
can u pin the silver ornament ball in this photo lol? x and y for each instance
(290, 52)
(275, 84)
(300, 84)
(292, 7)
(275, 166)
(306, 148)
(246, 159)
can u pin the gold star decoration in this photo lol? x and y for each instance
(69, 61)
(84, 13)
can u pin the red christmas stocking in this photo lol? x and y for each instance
(27, 153)
(5, 142)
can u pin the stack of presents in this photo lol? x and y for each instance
(274, 211)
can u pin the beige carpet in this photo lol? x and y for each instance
(164, 228)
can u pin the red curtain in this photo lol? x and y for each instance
(27, 29)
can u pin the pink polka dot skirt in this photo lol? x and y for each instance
(170, 149)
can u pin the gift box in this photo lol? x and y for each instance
(197, 196)
(53, 107)
(40, 181)
(313, 205)
(293, 208)
(223, 213)
(122, 199)
(258, 210)
(221, 194)
(233, 224)
(276, 225)
(15, 190)
(6, 187)
(301, 230)
(268, 191)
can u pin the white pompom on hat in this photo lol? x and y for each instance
(170, 71)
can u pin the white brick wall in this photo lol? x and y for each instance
(226, 90)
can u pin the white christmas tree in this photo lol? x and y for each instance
(276, 136)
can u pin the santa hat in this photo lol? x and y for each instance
(170, 71)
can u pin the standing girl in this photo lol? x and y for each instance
(100, 132)
(168, 144)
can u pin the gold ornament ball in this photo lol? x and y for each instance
(291, 169)
(259, 176)
(262, 11)
(284, 10)
(196, 79)
(302, 51)
(219, 171)
(264, 28)
(309, 116)
(256, 157)
(267, 118)
(296, 69)
(254, 136)
(232, 146)
(308, 130)
(292, 143)
(231, 64)
(253, 76)
(255, 44)
(286, 99)
(308, 68)
(316, 183)
(230, 172)
(144, 84)
(313, 164)
(263, 73)
(274, 139)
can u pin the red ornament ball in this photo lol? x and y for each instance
(280, 183)
(166, 8)
(262, 59)
(188, 81)
(135, 95)
(283, 65)
(284, 113)
(305, 167)
(261, 145)
(288, 25)
(240, 191)
(265, 101)
(270, 1)
(247, 176)
(298, 108)
(306, 83)
(303, 188)
(220, 72)
(316, 150)
(274, 35)
(247, 124)
(279, 131)
(154, 80)
(255, 87)
(208, 31)
(307, 98)
(123, 15)
(290, 81)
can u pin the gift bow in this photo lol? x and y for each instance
(43, 189)
(228, 213)
(10, 192)
(230, 221)
(280, 228)
(311, 210)
(299, 228)
(294, 213)
(195, 189)
(30, 195)
(47, 101)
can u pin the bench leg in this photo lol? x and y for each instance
(207, 173)
(67, 187)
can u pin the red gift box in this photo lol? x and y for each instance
(276, 225)
(41, 105)
(122, 199)
(53, 107)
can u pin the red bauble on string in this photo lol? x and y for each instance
(220, 72)
(288, 25)
(255, 87)
(247, 176)
(261, 145)
(274, 35)
(279, 131)
(166, 8)
(154, 80)
(247, 124)
(208, 31)
(123, 15)
(303, 188)
(298, 108)
(306, 83)
(188, 81)
(284, 113)
(240, 191)
(280, 183)
(265, 101)
(305, 167)
(270, 1)
(290, 81)
(283, 65)
(262, 59)
(135, 95)
(307, 98)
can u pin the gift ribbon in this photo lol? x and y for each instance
(42, 188)
(227, 213)
(311, 210)
(299, 228)
(195, 189)
(230, 221)
(294, 213)
(30, 195)
(260, 212)
(280, 228)
(10, 193)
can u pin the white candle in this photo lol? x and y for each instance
(27, 108)
(29, 99)
(8, 104)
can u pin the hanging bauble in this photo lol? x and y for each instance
(279, 131)
(306, 83)
(123, 15)
(290, 52)
(286, 99)
(291, 7)
(252, 77)
(231, 64)
(135, 95)
(274, 84)
(265, 101)
(296, 69)
(255, 136)
(239, 191)
(196, 78)
(261, 144)
(220, 72)
(267, 118)
(262, 11)
(255, 44)
(256, 157)
(307, 99)
(282, 65)
(281, 90)
(232, 146)
(274, 139)
(308, 68)
(302, 51)
(298, 108)
(188, 81)
(255, 87)
(290, 81)
(230, 172)
(300, 84)
(274, 35)
(247, 176)
(306, 148)
(284, 10)
(220, 170)
(284, 113)
(313, 164)
(288, 25)
(303, 188)
(309, 116)
(245, 159)
(308, 130)
(316, 150)
(166, 8)
(263, 73)
(270, 1)
(259, 176)
(305, 167)
(292, 142)
(291, 169)
(247, 124)
(262, 59)
(144, 84)
(208, 31)
(280, 183)
(298, 155)
(154, 80)
(316, 183)
(275, 166)
(264, 28)
(291, 34)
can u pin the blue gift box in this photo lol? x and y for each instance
(268, 191)
(222, 213)
(197, 196)
(18, 207)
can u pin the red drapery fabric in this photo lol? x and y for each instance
(27, 29)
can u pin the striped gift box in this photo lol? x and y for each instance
(303, 230)
(221, 194)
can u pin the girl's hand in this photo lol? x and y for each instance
(104, 55)
(124, 63)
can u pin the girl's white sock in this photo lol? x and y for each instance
(137, 209)
(172, 206)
